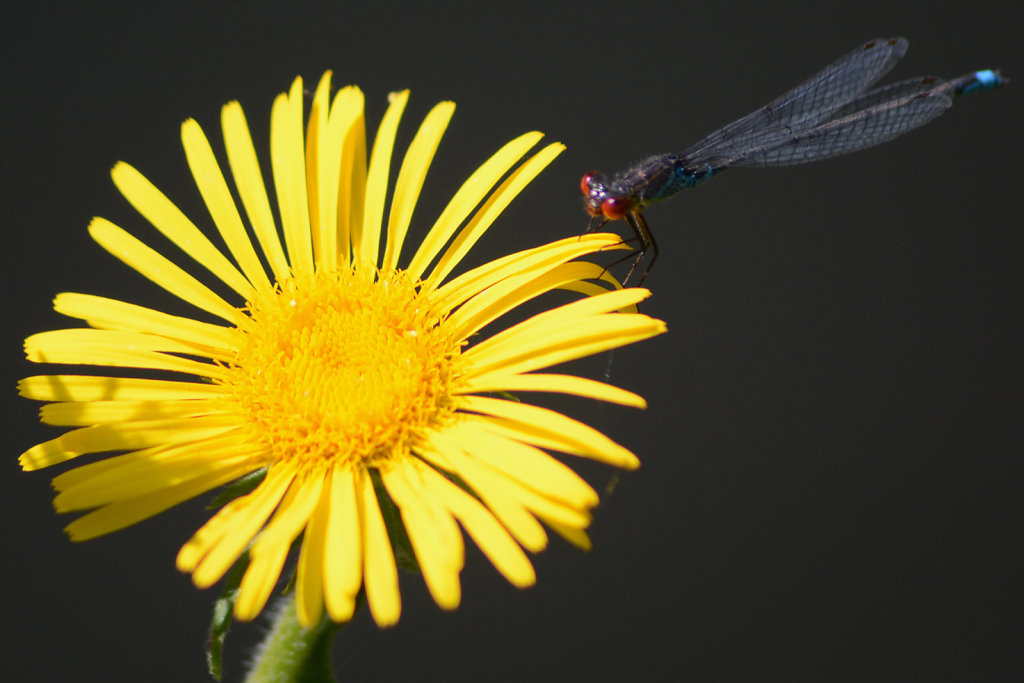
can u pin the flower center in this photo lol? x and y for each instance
(343, 369)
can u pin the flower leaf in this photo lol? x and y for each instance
(221, 620)
(237, 489)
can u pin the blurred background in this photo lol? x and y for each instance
(832, 456)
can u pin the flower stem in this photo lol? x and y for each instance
(292, 654)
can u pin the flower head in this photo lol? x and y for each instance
(347, 380)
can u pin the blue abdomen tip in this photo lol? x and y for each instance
(988, 78)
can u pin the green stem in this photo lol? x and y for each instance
(292, 654)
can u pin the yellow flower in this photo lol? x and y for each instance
(344, 377)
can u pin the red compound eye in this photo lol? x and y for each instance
(615, 208)
(586, 182)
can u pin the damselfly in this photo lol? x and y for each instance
(829, 114)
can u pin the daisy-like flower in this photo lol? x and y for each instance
(342, 376)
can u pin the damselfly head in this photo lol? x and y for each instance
(595, 188)
(598, 201)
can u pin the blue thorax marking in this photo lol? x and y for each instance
(687, 177)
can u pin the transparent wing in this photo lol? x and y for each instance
(867, 121)
(802, 106)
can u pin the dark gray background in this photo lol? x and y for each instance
(832, 455)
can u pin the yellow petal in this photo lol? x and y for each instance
(288, 159)
(433, 534)
(333, 149)
(84, 473)
(562, 384)
(379, 571)
(83, 414)
(214, 189)
(290, 517)
(145, 471)
(592, 310)
(219, 543)
(578, 537)
(503, 552)
(515, 291)
(124, 437)
(160, 270)
(466, 199)
(267, 554)
(576, 437)
(316, 133)
(352, 175)
(168, 219)
(90, 388)
(561, 342)
(523, 526)
(489, 482)
(245, 169)
(529, 466)
(490, 210)
(471, 283)
(116, 349)
(410, 179)
(111, 314)
(343, 554)
(366, 245)
(309, 574)
(258, 583)
(125, 513)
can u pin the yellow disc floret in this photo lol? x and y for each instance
(343, 370)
